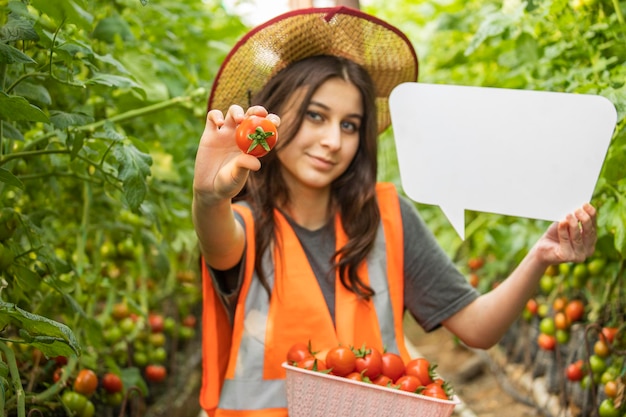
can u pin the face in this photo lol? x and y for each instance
(327, 140)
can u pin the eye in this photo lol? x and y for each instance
(313, 115)
(349, 127)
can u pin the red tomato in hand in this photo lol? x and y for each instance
(369, 362)
(341, 360)
(409, 383)
(420, 367)
(393, 365)
(256, 135)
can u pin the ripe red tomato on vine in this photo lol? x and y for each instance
(86, 382)
(256, 136)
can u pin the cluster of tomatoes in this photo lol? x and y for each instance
(78, 400)
(368, 364)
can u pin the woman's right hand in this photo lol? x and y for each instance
(221, 168)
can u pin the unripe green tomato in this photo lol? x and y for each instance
(74, 401)
(114, 399)
(89, 410)
(565, 269)
(596, 266)
(158, 355)
(562, 336)
(186, 333)
(112, 335)
(546, 283)
(140, 359)
(580, 271)
(127, 325)
(547, 326)
(597, 364)
(607, 409)
(543, 310)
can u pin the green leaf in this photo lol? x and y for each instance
(25, 278)
(18, 30)
(10, 132)
(11, 55)
(108, 28)
(111, 80)
(134, 168)
(66, 11)
(18, 108)
(63, 120)
(34, 93)
(8, 178)
(51, 337)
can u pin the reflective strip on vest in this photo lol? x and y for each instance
(249, 390)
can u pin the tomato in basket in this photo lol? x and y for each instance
(298, 352)
(341, 360)
(435, 390)
(409, 383)
(369, 361)
(420, 368)
(393, 365)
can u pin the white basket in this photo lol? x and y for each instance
(313, 394)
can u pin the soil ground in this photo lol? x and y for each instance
(480, 388)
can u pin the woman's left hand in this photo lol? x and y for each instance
(573, 239)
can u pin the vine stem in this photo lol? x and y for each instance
(618, 11)
(15, 379)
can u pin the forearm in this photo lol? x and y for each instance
(220, 236)
(483, 323)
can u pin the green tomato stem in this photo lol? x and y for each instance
(259, 138)
(15, 379)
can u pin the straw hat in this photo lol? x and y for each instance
(382, 49)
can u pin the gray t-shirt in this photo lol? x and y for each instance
(434, 289)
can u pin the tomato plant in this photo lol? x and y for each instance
(341, 360)
(256, 135)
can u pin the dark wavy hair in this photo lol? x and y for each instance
(353, 193)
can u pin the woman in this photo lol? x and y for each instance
(303, 244)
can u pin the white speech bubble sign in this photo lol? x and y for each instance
(521, 153)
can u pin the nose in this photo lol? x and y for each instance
(331, 137)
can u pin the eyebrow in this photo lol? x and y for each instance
(325, 107)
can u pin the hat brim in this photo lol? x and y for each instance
(382, 49)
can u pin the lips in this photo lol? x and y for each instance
(322, 162)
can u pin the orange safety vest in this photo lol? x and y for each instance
(242, 372)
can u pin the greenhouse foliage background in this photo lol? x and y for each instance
(101, 109)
